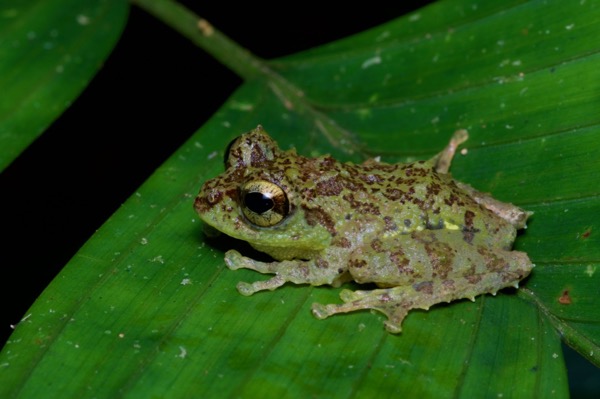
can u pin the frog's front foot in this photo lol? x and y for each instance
(234, 260)
(379, 300)
(248, 289)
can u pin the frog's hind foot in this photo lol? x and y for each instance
(379, 300)
(443, 160)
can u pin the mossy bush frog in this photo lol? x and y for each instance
(419, 235)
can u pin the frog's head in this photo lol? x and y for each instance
(257, 200)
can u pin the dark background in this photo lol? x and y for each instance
(70, 180)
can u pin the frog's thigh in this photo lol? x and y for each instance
(443, 268)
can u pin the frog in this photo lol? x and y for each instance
(409, 233)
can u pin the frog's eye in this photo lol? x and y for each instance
(264, 204)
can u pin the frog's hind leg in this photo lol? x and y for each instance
(440, 268)
(395, 305)
(443, 160)
(507, 211)
(396, 302)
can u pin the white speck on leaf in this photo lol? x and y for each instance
(371, 61)
(186, 281)
(212, 155)
(144, 241)
(384, 35)
(241, 106)
(570, 26)
(590, 270)
(83, 20)
(158, 259)
(182, 352)
(554, 355)
(414, 17)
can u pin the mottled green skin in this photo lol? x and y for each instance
(409, 228)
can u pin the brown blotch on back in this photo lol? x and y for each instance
(330, 187)
(390, 225)
(425, 287)
(356, 263)
(441, 257)
(343, 242)
(473, 278)
(376, 244)
(448, 285)
(468, 229)
(316, 216)
(394, 194)
(399, 259)
(492, 261)
(452, 199)
(362, 207)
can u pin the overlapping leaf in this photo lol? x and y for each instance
(49, 51)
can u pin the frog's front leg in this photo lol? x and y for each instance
(313, 272)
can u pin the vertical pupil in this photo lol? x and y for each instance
(258, 202)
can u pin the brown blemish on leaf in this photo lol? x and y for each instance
(565, 298)
(586, 234)
(205, 27)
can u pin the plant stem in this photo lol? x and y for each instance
(202, 33)
(247, 66)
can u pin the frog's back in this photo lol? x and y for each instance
(402, 198)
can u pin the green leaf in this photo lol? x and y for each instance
(50, 50)
(147, 307)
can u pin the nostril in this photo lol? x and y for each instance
(214, 196)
